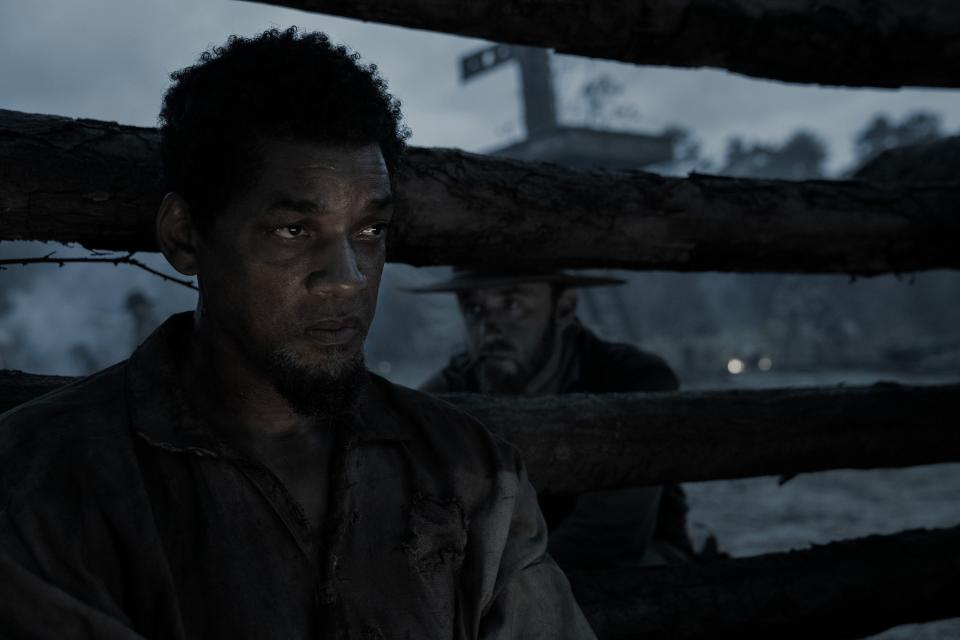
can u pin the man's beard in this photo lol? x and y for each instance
(315, 392)
(496, 380)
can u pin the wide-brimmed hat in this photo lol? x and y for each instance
(466, 279)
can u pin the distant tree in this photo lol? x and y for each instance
(881, 134)
(600, 95)
(598, 92)
(801, 157)
(686, 146)
(143, 317)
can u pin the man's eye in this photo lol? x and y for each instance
(374, 231)
(290, 231)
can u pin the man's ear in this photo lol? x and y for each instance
(177, 234)
(566, 307)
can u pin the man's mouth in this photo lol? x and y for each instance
(331, 332)
(499, 353)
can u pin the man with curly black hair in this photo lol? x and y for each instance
(243, 475)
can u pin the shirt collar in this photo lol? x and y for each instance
(161, 415)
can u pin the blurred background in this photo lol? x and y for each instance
(110, 60)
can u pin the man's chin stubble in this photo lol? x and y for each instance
(497, 380)
(330, 392)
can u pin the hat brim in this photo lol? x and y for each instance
(468, 282)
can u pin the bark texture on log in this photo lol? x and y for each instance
(96, 183)
(841, 590)
(494, 211)
(582, 442)
(889, 43)
(86, 181)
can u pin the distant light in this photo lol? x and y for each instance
(384, 367)
(735, 366)
(764, 364)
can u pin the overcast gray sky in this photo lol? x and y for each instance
(109, 59)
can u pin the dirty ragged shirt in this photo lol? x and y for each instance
(122, 516)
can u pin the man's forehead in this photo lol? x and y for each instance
(301, 176)
(281, 202)
(299, 158)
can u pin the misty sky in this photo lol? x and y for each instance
(109, 59)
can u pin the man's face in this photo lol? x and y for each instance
(290, 271)
(510, 332)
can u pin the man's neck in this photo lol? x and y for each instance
(231, 393)
(549, 379)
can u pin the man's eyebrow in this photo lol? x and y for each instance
(381, 202)
(308, 206)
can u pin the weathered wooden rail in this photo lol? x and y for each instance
(848, 589)
(581, 442)
(840, 42)
(97, 183)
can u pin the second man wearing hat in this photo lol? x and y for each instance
(524, 338)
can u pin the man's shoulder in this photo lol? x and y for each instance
(75, 403)
(65, 429)
(617, 366)
(451, 378)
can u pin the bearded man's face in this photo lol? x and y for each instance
(510, 333)
(291, 269)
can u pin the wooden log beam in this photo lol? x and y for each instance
(846, 589)
(582, 442)
(86, 181)
(889, 43)
(97, 183)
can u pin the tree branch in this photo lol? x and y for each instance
(96, 257)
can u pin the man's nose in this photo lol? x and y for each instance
(490, 325)
(337, 273)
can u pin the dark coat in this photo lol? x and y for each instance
(123, 516)
(616, 526)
